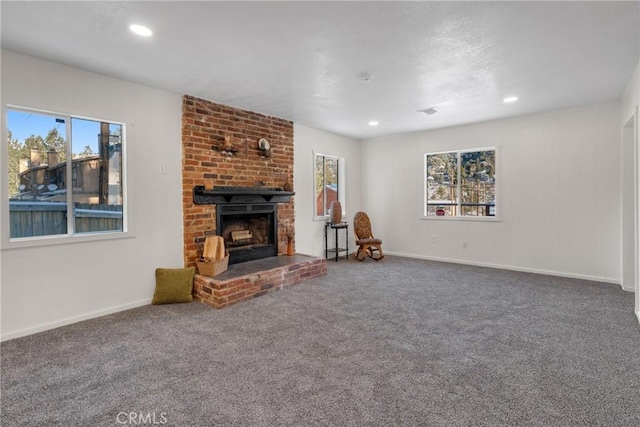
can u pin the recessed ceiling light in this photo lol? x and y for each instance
(373, 123)
(510, 99)
(140, 30)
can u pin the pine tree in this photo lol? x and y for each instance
(18, 151)
(15, 152)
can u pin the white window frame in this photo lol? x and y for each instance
(6, 242)
(341, 185)
(494, 218)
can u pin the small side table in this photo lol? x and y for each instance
(336, 249)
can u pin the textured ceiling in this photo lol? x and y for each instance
(304, 61)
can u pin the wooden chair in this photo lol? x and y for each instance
(367, 244)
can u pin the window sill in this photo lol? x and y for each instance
(463, 218)
(43, 241)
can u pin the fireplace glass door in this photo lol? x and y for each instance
(248, 230)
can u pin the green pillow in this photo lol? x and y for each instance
(173, 285)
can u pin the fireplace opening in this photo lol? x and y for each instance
(249, 230)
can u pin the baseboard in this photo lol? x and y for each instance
(626, 288)
(75, 319)
(509, 267)
(638, 316)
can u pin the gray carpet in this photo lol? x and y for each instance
(401, 342)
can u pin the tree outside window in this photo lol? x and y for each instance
(461, 183)
(327, 183)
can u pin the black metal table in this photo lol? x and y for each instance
(336, 249)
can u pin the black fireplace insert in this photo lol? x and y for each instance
(246, 217)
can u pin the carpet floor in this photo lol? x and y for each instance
(401, 342)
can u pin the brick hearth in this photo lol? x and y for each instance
(254, 278)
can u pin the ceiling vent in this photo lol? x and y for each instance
(366, 77)
(429, 111)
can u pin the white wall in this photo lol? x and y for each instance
(628, 229)
(48, 286)
(310, 233)
(631, 96)
(631, 188)
(559, 195)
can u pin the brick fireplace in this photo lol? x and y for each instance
(234, 188)
(220, 150)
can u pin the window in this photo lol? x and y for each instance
(461, 183)
(327, 181)
(65, 175)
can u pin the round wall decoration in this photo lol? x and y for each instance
(263, 144)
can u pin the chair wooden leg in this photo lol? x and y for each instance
(380, 254)
(373, 252)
